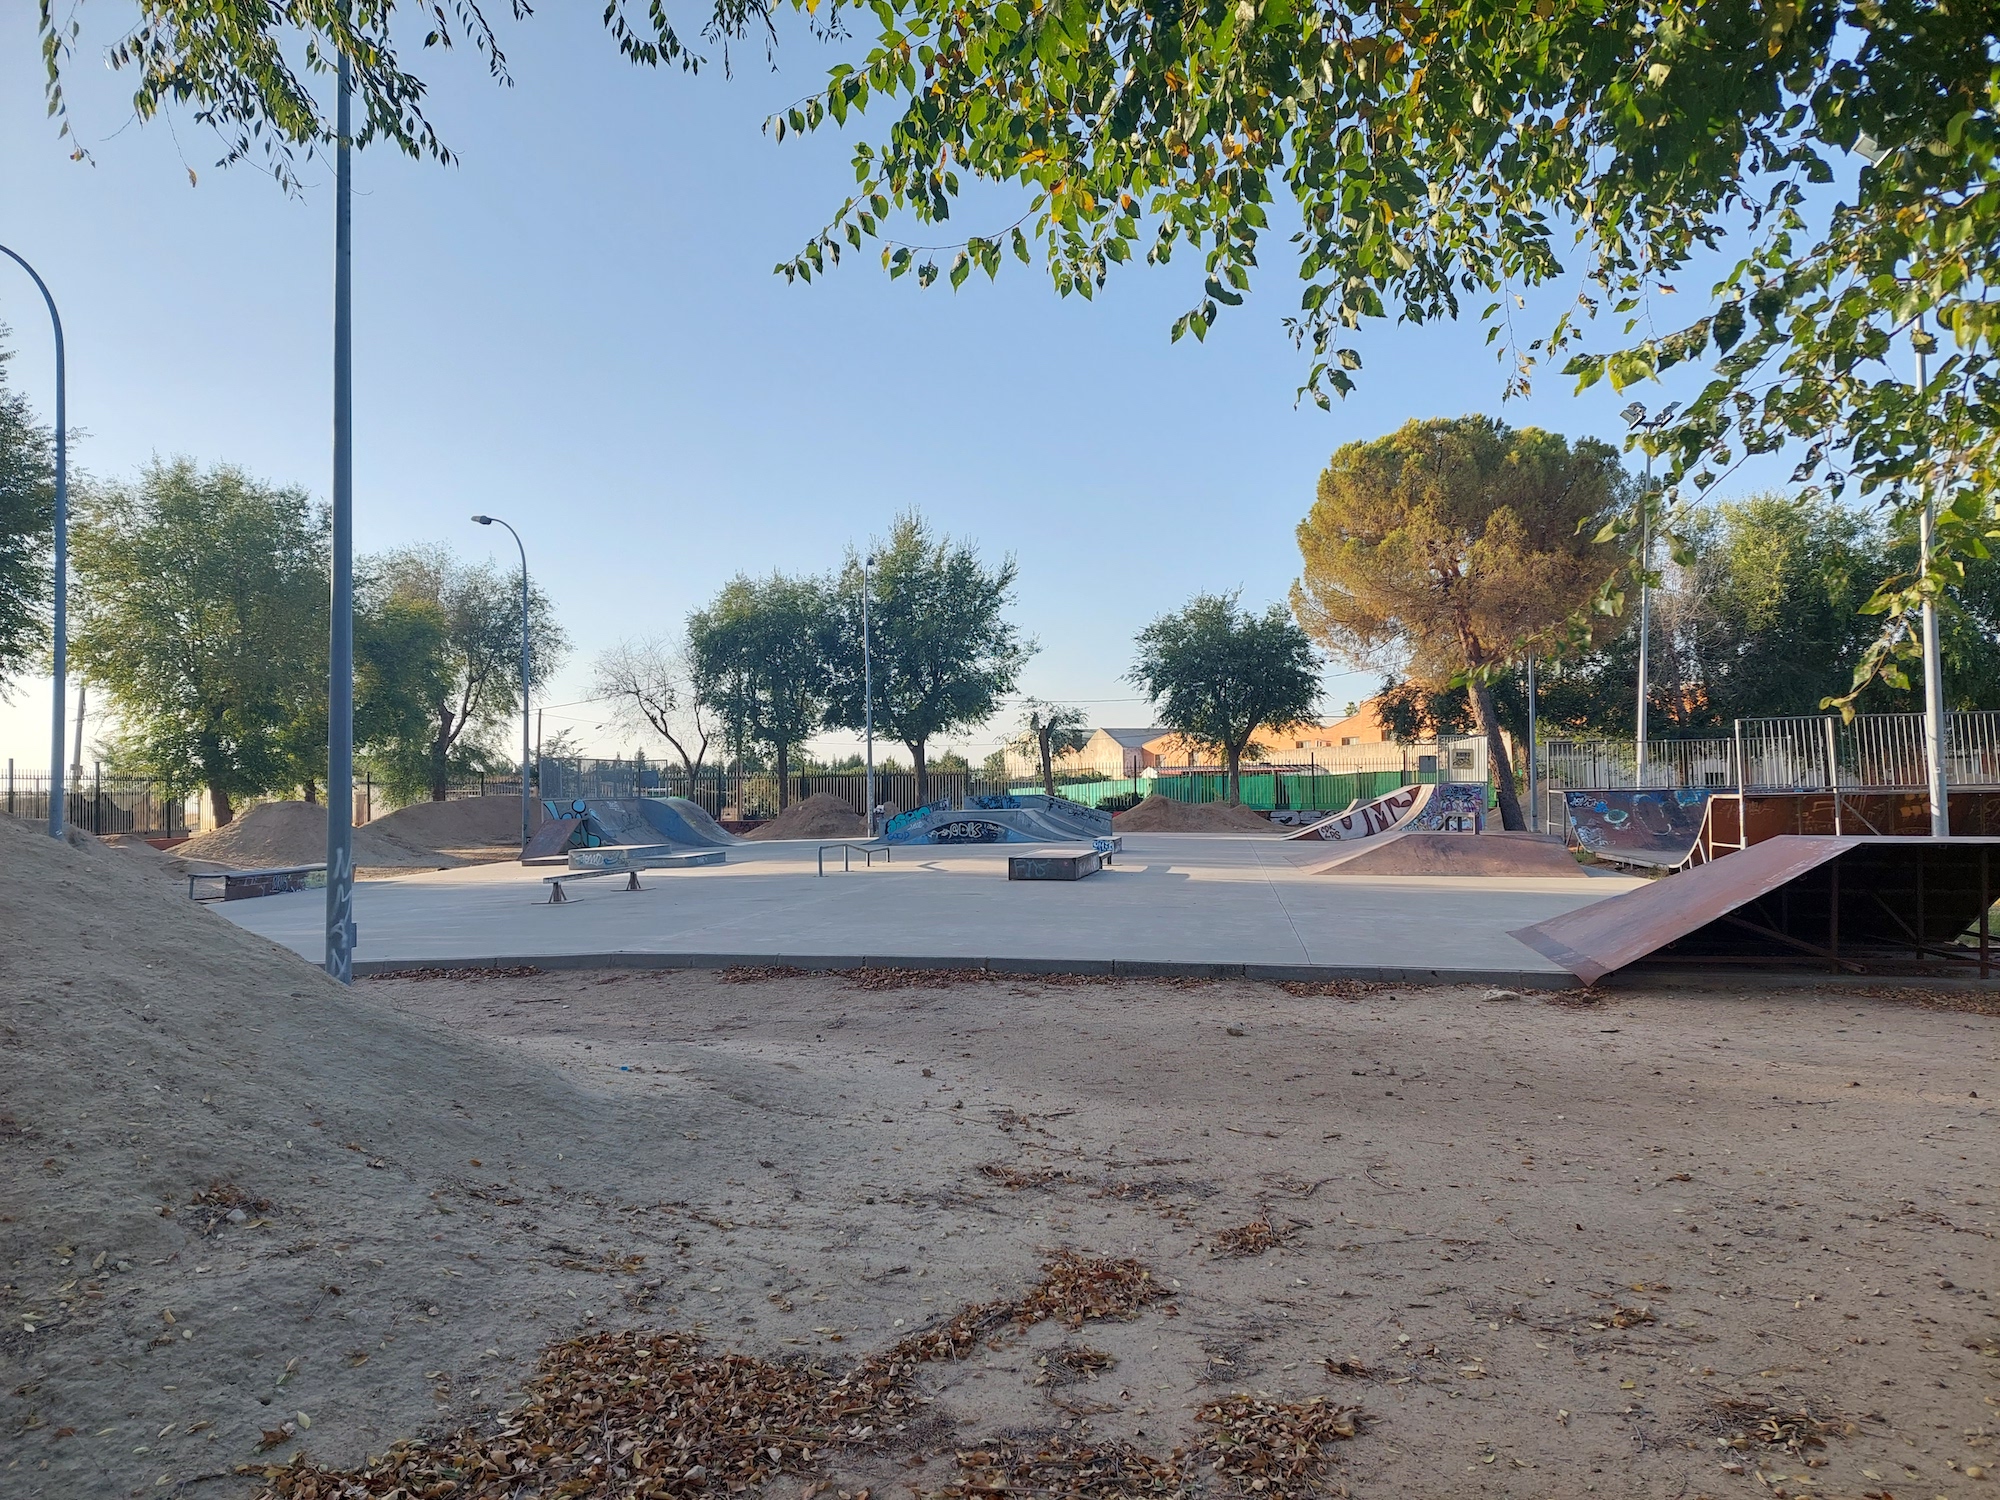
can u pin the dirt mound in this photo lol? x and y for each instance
(189, 1116)
(1416, 853)
(820, 816)
(426, 836)
(463, 823)
(1159, 814)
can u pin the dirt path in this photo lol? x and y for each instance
(1541, 1247)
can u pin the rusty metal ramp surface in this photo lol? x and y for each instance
(1849, 902)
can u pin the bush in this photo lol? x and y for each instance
(1123, 802)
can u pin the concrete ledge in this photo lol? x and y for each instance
(1027, 967)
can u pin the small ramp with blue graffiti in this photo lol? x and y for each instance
(1654, 827)
(1011, 819)
(600, 822)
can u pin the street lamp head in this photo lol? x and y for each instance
(484, 520)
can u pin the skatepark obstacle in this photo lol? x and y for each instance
(1854, 903)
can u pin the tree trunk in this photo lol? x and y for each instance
(1232, 786)
(219, 808)
(1496, 754)
(784, 775)
(1048, 768)
(312, 793)
(440, 768)
(916, 749)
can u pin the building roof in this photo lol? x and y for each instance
(1135, 739)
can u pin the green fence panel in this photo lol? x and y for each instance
(1335, 792)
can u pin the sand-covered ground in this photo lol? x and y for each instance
(1546, 1247)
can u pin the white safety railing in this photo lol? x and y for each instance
(1876, 752)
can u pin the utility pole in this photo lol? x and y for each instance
(868, 696)
(59, 643)
(1938, 792)
(76, 755)
(340, 931)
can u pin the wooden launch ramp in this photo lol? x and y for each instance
(1867, 904)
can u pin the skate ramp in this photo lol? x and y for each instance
(1453, 806)
(941, 823)
(1853, 902)
(1658, 828)
(683, 822)
(1419, 852)
(1073, 818)
(1372, 819)
(552, 841)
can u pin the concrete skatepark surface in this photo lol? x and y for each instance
(1185, 902)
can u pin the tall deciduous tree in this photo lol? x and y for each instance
(200, 609)
(472, 682)
(759, 652)
(944, 651)
(1457, 546)
(1048, 732)
(655, 685)
(1217, 674)
(27, 518)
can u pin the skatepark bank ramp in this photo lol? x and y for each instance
(1857, 904)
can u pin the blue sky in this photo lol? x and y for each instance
(577, 328)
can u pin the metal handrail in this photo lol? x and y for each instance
(848, 851)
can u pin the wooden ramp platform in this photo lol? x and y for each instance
(1858, 904)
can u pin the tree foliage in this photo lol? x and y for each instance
(1217, 673)
(1455, 547)
(27, 519)
(656, 687)
(1050, 731)
(759, 652)
(246, 74)
(200, 608)
(944, 652)
(1435, 152)
(1763, 618)
(468, 616)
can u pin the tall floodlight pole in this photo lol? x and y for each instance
(1534, 800)
(1635, 414)
(1871, 151)
(1940, 805)
(59, 646)
(868, 697)
(340, 931)
(527, 803)
(1645, 616)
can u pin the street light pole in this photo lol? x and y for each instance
(868, 696)
(1534, 798)
(340, 931)
(59, 652)
(1645, 616)
(527, 803)
(1938, 795)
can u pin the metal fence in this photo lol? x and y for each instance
(1876, 752)
(99, 804)
(731, 795)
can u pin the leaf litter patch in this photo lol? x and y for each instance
(649, 1413)
(1249, 1445)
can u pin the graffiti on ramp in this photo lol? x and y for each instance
(1365, 821)
(1656, 827)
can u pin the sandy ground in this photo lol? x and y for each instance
(1537, 1242)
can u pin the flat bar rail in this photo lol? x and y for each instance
(848, 851)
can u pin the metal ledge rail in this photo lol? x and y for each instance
(848, 851)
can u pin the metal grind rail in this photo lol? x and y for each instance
(848, 851)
